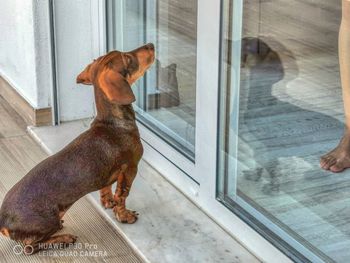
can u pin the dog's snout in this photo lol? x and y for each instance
(150, 46)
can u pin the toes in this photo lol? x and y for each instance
(132, 219)
(323, 160)
(330, 161)
(337, 168)
(127, 217)
(72, 238)
(68, 239)
(135, 213)
(340, 166)
(323, 163)
(61, 224)
(335, 165)
(107, 204)
(327, 155)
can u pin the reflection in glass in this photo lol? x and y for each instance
(166, 99)
(289, 112)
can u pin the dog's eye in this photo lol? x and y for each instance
(132, 64)
(128, 59)
(124, 73)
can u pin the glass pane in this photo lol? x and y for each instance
(282, 109)
(166, 97)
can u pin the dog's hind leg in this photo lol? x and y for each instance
(125, 181)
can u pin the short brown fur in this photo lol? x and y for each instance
(108, 152)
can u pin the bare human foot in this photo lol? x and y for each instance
(338, 159)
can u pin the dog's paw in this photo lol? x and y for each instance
(107, 202)
(126, 216)
(61, 224)
(70, 239)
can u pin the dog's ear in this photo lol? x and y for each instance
(115, 87)
(85, 76)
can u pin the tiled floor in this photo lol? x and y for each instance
(18, 154)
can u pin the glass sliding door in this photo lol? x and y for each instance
(281, 109)
(166, 96)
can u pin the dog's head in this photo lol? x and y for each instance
(115, 72)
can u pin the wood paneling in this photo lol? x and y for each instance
(32, 116)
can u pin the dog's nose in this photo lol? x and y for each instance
(150, 46)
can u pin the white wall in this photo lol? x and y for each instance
(25, 49)
(78, 42)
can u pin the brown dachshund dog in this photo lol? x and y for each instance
(108, 152)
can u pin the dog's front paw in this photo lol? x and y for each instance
(65, 239)
(126, 216)
(107, 202)
(61, 224)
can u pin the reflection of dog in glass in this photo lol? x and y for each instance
(274, 130)
(167, 94)
(256, 52)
